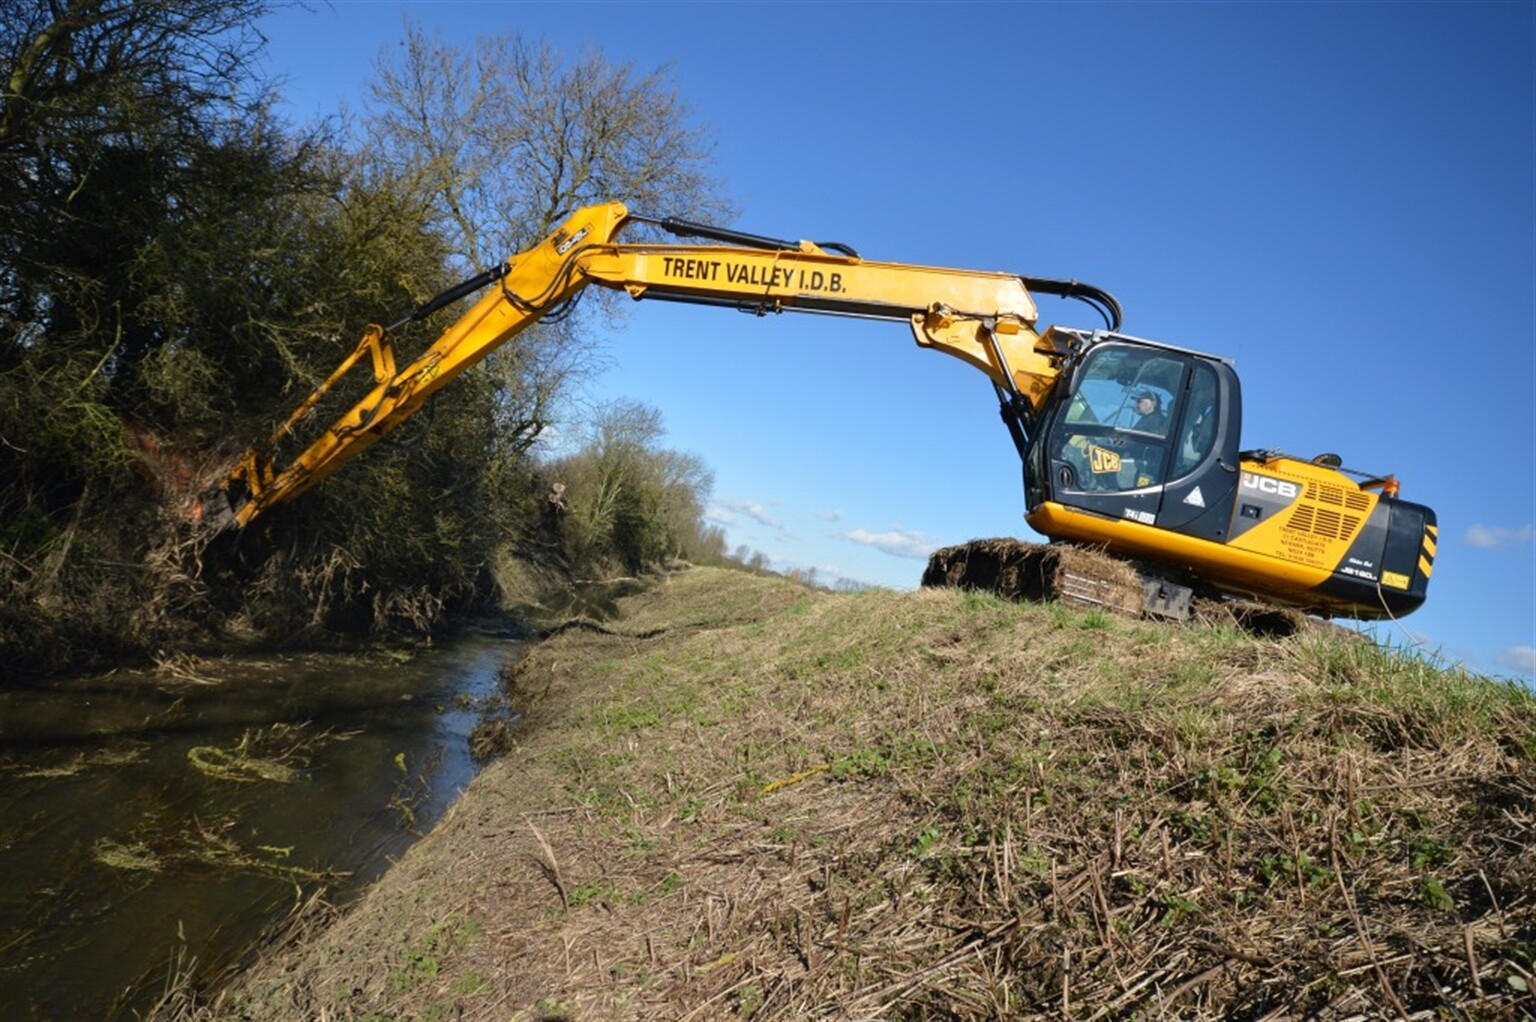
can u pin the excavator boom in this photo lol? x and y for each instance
(984, 318)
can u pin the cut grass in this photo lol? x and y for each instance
(741, 798)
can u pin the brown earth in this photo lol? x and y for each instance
(745, 799)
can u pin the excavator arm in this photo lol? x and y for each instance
(986, 319)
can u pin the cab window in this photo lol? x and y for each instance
(1198, 435)
(1115, 433)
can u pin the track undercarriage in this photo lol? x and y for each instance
(1088, 577)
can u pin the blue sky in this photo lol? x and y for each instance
(1337, 196)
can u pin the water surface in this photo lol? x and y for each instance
(123, 861)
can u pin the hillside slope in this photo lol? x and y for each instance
(745, 799)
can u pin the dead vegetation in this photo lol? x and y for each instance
(1030, 571)
(743, 799)
(278, 753)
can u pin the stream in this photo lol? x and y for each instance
(152, 822)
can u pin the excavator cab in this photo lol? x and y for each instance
(1143, 432)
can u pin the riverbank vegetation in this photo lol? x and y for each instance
(742, 798)
(179, 266)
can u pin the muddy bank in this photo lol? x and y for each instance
(740, 798)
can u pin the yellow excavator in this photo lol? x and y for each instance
(1128, 445)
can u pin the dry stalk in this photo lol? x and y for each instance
(549, 865)
(1365, 940)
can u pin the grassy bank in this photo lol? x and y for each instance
(746, 799)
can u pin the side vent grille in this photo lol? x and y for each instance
(1354, 500)
(1329, 511)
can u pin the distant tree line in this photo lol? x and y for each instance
(179, 266)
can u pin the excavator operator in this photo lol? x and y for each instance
(1152, 417)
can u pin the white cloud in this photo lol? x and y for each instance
(1518, 658)
(897, 542)
(1492, 537)
(829, 516)
(717, 515)
(753, 510)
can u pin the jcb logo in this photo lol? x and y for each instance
(1101, 460)
(1268, 484)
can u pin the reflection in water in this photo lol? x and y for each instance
(119, 853)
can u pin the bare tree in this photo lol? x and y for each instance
(500, 140)
(507, 137)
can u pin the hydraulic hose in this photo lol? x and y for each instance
(1106, 304)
